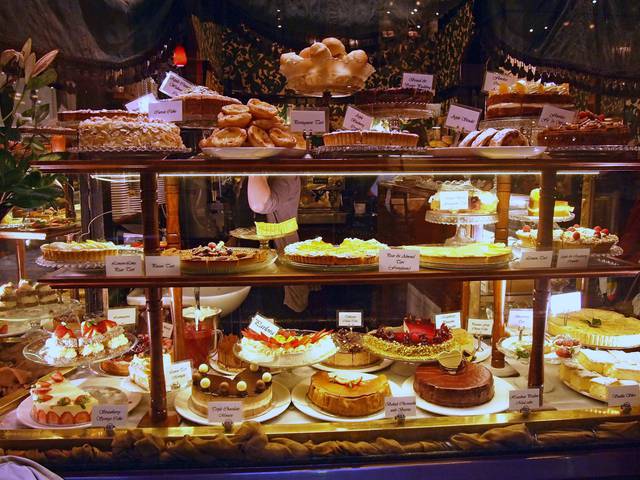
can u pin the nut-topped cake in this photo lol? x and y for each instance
(252, 386)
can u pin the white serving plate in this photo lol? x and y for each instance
(495, 153)
(302, 403)
(252, 153)
(281, 401)
(499, 402)
(23, 412)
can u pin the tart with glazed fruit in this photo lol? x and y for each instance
(215, 257)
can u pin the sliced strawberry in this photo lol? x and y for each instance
(563, 352)
(66, 418)
(41, 391)
(42, 416)
(576, 235)
(576, 225)
(526, 228)
(43, 384)
(62, 331)
(57, 377)
(44, 398)
(106, 325)
(53, 418)
(597, 228)
(82, 417)
(605, 231)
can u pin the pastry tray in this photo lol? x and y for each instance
(328, 268)
(341, 151)
(32, 351)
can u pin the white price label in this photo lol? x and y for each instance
(573, 258)
(314, 121)
(492, 80)
(526, 397)
(173, 84)
(162, 266)
(260, 324)
(421, 81)
(220, 412)
(167, 110)
(123, 266)
(180, 374)
(617, 396)
(123, 316)
(451, 320)
(521, 318)
(565, 303)
(141, 104)
(536, 259)
(394, 406)
(399, 260)
(454, 200)
(167, 329)
(480, 326)
(105, 415)
(462, 118)
(354, 119)
(350, 318)
(554, 117)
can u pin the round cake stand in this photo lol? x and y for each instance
(395, 112)
(250, 234)
(32, 352)
(523, 217)
(237, 351)
(462, 223)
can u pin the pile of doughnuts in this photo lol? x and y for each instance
(326, 66)
(255, 124)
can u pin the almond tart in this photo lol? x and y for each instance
(352, 251)
(470, 254)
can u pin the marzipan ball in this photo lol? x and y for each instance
(205, 383)
(260, 386)
(203, 368)
(223, 388)
(266, 377)
(242, 386)
(253, 367)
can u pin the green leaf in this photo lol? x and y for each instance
(45, 78)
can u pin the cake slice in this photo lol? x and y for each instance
(58, 402)
(140, 370)
(576, 377)
(595, 360)
(598, 387)
(625, 371)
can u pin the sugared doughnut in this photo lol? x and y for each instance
(258, 137)
(228, 137)
(234, 109)
(240, 120)
(319, 51)
(281, 138)
(305, 52)
(335, 46)
(260, 109)
(268, 123)
(358, 56)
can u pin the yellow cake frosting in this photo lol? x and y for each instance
(597, 328)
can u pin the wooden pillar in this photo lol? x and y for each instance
(172, 192)
(465, 304)
(178, 324)
(21, 259)
(500, 286)
(586, 219)
(542, 286)
(158, 394)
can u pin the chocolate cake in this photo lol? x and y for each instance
(471, 384)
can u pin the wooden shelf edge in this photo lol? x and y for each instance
(288, 277)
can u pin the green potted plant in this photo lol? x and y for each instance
(21, 75)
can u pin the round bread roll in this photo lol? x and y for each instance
(358, 56)
(281, 138)
(257, 137)
(260, 109)
(305, 52)
(319, 51)
(335, 46)
(234, 109)
(240, 120)
(228, 137)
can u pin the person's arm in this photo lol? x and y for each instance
(259, 194)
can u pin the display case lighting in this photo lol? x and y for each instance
(360, 174)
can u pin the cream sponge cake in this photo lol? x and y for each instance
(57, 401)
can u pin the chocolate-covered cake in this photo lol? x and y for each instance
(471, 384)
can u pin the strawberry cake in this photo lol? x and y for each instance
(57, 401)
(598, 239)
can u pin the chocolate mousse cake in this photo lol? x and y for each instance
(471, 384)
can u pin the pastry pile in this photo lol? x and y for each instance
(255, 124)
(492, 137)
(326, 66)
